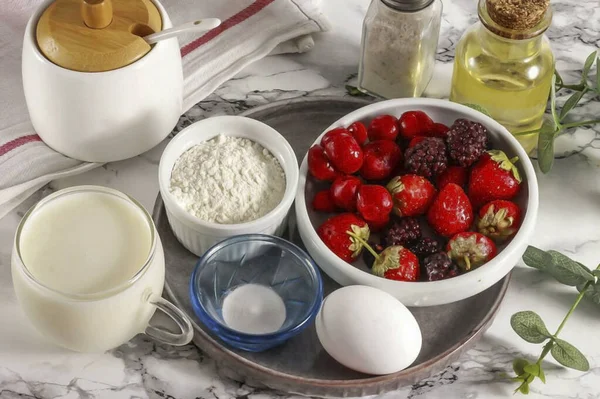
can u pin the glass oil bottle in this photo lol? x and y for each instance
(504, 64)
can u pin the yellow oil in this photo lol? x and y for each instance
(510, 78)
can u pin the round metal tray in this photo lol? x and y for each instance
(301, 365)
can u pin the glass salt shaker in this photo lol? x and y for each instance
(399, 45)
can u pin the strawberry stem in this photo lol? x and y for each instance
(364, 243)
(514, 160)
(467, 263)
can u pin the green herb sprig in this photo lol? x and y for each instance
(355, 91)
(555, 124)
(530, 326)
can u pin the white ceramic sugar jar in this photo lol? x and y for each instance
(97, 93)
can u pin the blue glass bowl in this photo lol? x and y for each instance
(259, 259)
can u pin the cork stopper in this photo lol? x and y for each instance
(517, 15)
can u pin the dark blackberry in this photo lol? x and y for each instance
(426, 246)
(439, 267)
(427, 158)
(403, 231)
(368, 256)
(466, 141)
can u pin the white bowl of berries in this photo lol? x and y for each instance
(429, 200)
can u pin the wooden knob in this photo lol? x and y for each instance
(97, 14)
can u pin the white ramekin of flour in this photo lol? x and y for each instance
(225, 176)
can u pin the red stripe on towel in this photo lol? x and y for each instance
(18, 142)
(228, 23)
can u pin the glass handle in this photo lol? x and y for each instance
(182, 321)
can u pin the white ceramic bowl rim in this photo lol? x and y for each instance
(32, 26)
(287, 160)
(525, 165)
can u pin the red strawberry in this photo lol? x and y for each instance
(438, 130)
(493, 177)
(454, 174)
(359, 132)
(383, 127)
(381, 157)
(414, 123)
(416, 140)
(319, 165)
(344, 190)
(397, 263)
(332, 133)
(451, 211)
(470, 249)
(323, 202)
(374, 203)
(412, 194)
(499, 219)
(344, 235)
(344, 152)
(378, 224)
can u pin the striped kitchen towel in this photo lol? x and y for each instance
(250, 30)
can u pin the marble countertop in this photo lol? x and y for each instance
(568, 221)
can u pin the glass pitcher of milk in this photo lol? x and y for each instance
(88, 269)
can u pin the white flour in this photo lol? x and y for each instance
(228, 180)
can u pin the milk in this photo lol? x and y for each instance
(85, 243)
(82, 248)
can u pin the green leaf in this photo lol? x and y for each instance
(519, 366)
(566, 271)
(529, 326)
(533, 369)
(569, 356)
(596, 273)
(545, 146)
(589, 61)
(553, 101)
(542, 375)
(524, 388)
(558, 79)
(478, 108)
(570, 104)
(355, 91)
(536, 258)
(592, 293)
(586, 268)
(562, 268)
(598, 75)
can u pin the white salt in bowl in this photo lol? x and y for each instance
(272, 263)
(199, 235)
(434, 292)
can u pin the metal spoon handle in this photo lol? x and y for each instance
(199, 25)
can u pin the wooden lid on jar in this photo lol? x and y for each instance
(96, 35)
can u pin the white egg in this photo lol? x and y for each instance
(368, 330)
